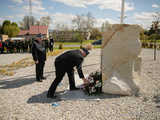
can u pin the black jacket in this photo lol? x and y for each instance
(38, 52)
(70, 59)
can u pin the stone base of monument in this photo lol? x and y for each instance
(124, 80)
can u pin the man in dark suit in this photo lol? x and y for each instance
(39, 56)
(51, 44)
(65, 64)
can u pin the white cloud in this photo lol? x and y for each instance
(19, 16)
(66, 19)
(8, 17)
(102, 4)
(37, 8)
(116, 5)
(155, 6)
(18, 1)
(144, 18)
(2, 18)
(51, 7)
(61, 18)
(100, 21)
(11, 6)
(74, 3)
(37, 2)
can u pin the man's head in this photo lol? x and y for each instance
(89, 47)
(85, 52)
(39, 37)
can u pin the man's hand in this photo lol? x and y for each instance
(85, 81)
(36, 62)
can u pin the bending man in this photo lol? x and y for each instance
(65, 64)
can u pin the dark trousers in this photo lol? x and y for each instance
(60, 72)
(51, 48)
(39, 70)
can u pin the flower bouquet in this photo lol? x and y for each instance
(95, 83)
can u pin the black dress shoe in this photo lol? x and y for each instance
(51, 96)
(72, 89)
(39, 80)
(43, 78)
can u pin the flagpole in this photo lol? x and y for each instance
(122, 12)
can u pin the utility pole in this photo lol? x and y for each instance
(122, 12)
(30, 12)
(155, 23)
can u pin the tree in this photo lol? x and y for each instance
(78, 21)
(105, 25)
(90, 21)
(10, 29)
(5, 27)
(27, 21)
(151, 30)
(143, 36)
(0, 29)
(95, 34)
(84, 22)
(37, 23)
(45, 20)
(61, 27)
(77, 37)
(15, 29)
(6, 22)
(155, 23)
(154, 37)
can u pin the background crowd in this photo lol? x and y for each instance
(22, 46)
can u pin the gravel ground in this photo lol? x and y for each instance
(24, 99)
(10, 58)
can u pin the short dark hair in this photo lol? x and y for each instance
(39, 35)
(85, 50)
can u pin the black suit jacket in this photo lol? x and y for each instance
(38, 51)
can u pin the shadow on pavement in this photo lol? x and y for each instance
(16, 83)
(157, 100)
(31, 75)
(69, 95)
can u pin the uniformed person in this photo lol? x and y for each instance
(39, 56)
(51, 44)
(65, 64)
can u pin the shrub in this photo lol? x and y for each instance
(77, 37)
(60, 46)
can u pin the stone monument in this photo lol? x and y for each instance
(121, 64)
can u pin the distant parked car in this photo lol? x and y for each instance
(97, 42)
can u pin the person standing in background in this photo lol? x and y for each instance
(51, 44)
(39, 56)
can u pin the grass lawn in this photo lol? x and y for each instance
(75, 43)
(68, 48)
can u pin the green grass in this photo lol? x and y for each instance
(74, 43)
(68, 48)
(158, 41)
(97, 46)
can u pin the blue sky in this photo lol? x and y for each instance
(63, 11)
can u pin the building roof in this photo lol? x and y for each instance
(33, 30)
